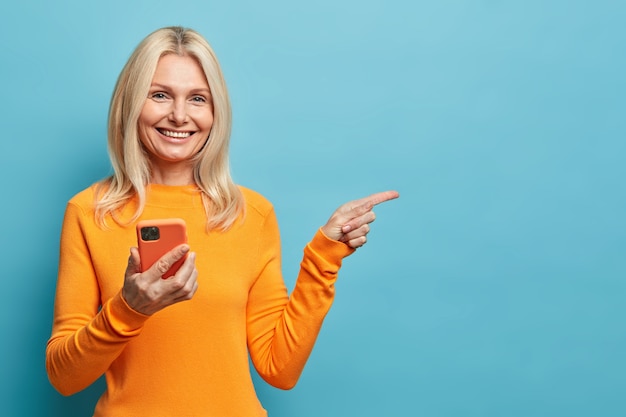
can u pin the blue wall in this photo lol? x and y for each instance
(494, 287)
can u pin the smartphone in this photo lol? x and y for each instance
(157, 237)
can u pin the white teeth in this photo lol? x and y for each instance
(172, 134)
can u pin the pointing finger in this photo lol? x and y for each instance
(354, 214)
(360, 211)
(370, 201)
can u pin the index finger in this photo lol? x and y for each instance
(167, 265)
(377, 198)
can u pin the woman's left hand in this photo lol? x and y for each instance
(350, 223)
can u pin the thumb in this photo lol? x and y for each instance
(134, 262)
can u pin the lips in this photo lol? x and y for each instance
(174, 134)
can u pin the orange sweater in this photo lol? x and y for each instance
(189, 359)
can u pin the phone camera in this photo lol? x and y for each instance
(150, 233)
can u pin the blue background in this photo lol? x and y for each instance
(495, 286)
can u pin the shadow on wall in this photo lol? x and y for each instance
(34, 249)
(34, 395)
(80, 404)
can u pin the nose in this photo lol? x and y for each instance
(178, 115)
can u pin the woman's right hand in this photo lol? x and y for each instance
(148, 293)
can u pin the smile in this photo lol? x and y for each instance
(173, 134)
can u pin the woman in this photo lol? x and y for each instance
(179, 346)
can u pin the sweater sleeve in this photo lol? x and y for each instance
(282, 330)
(86, 336)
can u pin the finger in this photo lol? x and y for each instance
(185, 282)
(348, 216)
(357, 242)
(355, 234)
(188, 266)
(372, 200)
(186, 273)
(362, 206)
(187, 291)
(164, 263)
(356, 222)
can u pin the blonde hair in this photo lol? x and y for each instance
(223, 201)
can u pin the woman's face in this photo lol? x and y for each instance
(177, 116)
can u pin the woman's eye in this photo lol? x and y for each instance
(198, 99)
(158, 96)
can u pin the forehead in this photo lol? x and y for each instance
(179, 71)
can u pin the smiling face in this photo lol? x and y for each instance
(176, 118)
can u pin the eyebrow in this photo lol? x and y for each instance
(193, 90)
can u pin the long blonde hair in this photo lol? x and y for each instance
(223, 201)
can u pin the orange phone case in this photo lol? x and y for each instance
(157, 237)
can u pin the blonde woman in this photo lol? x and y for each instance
(179, 346)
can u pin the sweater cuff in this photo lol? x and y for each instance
(329, 251)
(123, 319)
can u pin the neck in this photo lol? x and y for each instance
(172, 174)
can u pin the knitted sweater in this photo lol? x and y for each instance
(191, 358)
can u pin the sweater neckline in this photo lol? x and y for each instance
(173, 195)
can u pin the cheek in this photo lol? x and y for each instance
(150, 114)
(147, 119)
(142, 130)
(205, 121)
